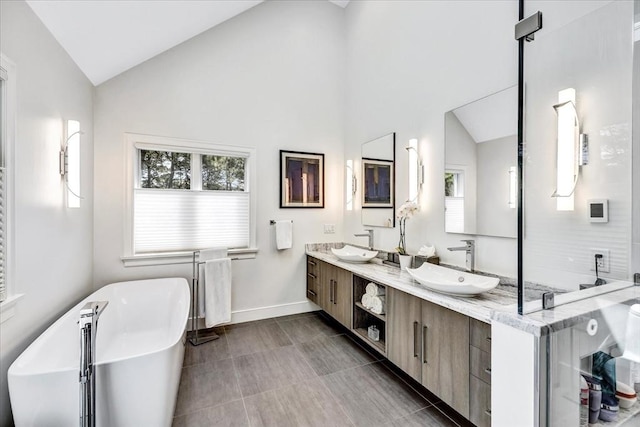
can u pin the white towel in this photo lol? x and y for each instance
(206, 255)
(284, 234)
(217, 284)
(366, 300)
(377, 305)
(374, 290)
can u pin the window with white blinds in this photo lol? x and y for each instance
(189, 195)
(3, 180)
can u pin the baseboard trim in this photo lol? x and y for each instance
(268, 312)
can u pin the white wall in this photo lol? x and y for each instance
(52, 268)
(408, 63)
(271, 78)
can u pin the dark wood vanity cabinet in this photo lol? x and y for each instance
(313, 280)
(431, 344)
(330, 287)
(337, 292)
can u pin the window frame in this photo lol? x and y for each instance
(134, 142)
(8, 127)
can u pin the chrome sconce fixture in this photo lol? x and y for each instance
(352, 185)
(416, 170)
(70, 163)
(572, 150)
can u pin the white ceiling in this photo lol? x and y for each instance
(108, 37)
(492, 117)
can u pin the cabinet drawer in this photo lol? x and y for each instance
(480, 335)
(480, 364)
(479, 402)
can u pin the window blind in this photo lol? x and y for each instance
(454, 214)
(3, 287)
(183, 220)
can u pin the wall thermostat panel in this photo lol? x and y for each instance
(598, 210)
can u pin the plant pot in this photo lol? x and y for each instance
(405, 261)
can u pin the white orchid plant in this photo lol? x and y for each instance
(404, 212)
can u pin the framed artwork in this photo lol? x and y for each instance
(301, 180)
(377, 178)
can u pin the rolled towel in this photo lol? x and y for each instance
(377, 305)
(374, 290)
(366, 300)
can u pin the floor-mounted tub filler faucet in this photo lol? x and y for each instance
(369, 234)
(470, 249)
(88, 323)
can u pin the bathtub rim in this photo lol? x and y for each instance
(14, 365)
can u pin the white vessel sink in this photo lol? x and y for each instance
(450, 281)
(353, 254)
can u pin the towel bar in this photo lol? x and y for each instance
(194, 337)
(273, 221)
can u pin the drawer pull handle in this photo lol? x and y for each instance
(313, 276)
(310, 292)
(311, 263)
(424, 344)
(331, 291)
(335, 292)
(489, 339)
(487, 412)
(415, 339)
(487, 371)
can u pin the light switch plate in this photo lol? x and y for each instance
(329, 228)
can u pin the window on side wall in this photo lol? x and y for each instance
(188, 195)
(8, 293)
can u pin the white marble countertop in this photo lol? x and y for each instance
(479, 307)
(572, 308)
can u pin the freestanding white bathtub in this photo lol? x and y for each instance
(140, 349)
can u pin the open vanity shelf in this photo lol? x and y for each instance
(363, 317)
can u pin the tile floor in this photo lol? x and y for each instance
(300, 370)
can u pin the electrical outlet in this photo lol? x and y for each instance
(329, 228)
(603, 263)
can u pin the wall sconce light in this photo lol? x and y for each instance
(416, 170)
(352, 185)
(572, 150)
(70, 163)
(513, 184)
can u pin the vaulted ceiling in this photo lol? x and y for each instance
(108, 37)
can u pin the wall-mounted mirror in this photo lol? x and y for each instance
(480, 166)
(378, 181)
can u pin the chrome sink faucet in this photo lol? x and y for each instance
(369, 234)
(470, 249)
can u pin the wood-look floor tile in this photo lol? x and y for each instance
(271, 369)
(308, 404)
(303, 329)
(331, 354)
(208, 351)
(371, 395)
(206, 384)
(231, 414)
(255, 337)
(428, 417)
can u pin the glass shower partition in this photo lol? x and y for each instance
(581, 202)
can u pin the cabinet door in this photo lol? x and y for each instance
(313, 280)
(445, 363)
(325, 275)
(342, 295)
(404, 342)
(480, 405)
